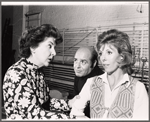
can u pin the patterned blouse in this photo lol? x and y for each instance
(25, 91)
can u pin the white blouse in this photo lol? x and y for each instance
(141, 107)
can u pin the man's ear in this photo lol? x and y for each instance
(94, 64)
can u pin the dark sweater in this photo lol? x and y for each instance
(80, 81)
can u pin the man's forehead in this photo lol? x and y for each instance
(84, 50)
(83, 53)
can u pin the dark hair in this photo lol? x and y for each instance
(34, 35)
(120, 40)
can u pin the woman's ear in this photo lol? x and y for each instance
(32, 50)
(121, 57)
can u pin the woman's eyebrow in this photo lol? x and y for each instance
(109, 49)
(112, 47)
(52, 43)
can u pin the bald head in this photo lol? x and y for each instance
(90, 51)
(86, 51)
(84, 61)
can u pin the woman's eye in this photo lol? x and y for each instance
(100, 54)
(109, 52)
(50, 46)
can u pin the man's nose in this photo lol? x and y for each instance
(78, 64)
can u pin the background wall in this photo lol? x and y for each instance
(17, 27)
(78, 16)
(97, 15)
(9, 11)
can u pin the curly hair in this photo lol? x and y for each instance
(34, 35)
(120, 41)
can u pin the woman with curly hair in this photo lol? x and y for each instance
(25, 91)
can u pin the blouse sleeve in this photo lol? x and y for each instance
(141, 108)
(20, 99)
(84, 96)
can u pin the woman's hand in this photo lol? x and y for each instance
(70, 102)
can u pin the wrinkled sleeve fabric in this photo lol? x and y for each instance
(21, 101)
(141, 105)
(84, 96)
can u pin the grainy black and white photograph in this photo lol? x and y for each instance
(75, 60)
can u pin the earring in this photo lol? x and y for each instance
(121, 58)
(33, 52)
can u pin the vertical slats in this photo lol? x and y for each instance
(77, 37)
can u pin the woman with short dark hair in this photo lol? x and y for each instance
(24, 88)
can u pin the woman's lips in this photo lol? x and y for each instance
(105, 65)
(49, 60)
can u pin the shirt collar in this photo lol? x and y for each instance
(125, 80)
(30, 65)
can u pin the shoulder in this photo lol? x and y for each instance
(16, 68)
(91, 79)
(15, 71)
(136, 81)
(140, 89)
(140, 85)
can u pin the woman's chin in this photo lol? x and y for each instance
(47, 64)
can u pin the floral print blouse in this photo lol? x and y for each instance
(25, 90)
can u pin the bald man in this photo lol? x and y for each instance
(85, 66)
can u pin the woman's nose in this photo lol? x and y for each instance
(103, 58)
(53, 52)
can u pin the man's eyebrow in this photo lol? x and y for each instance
(83, 60)
(74, 58)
